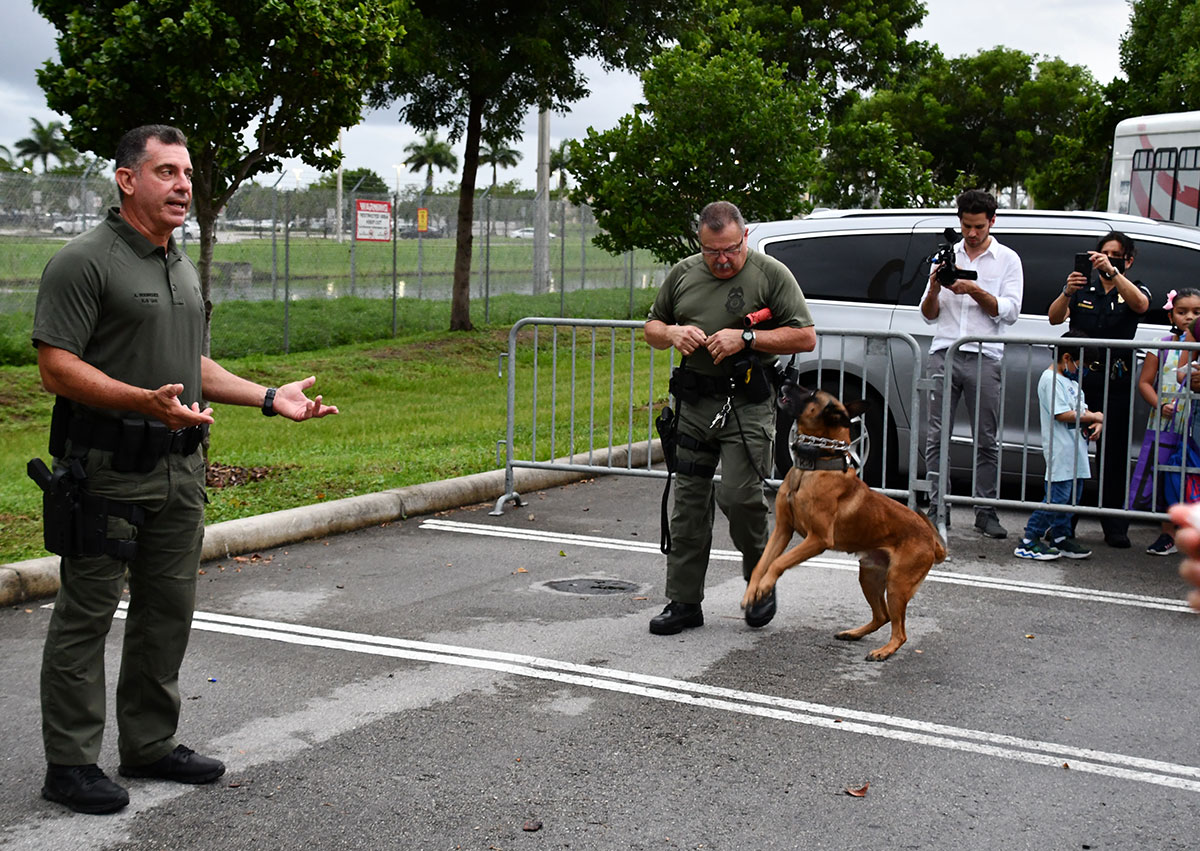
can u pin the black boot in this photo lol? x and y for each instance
(83, 788)
(677, 617)
(760, 613)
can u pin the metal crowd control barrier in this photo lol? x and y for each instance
(621, 379)
(1020, 452)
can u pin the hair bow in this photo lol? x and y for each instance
(1170, 300)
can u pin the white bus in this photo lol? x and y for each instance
(1156, 167)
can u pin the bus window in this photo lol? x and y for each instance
(1187, 187)
(1139, 184)
(1162, 184)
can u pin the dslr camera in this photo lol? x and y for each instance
(948, 273)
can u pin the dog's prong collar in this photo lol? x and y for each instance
(822, 442)
(810, 452)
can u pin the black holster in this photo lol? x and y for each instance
(75, 521)
(667, 425)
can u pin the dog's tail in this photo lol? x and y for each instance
(939, 550)
(939, 547)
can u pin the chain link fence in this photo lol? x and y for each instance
(285, 262)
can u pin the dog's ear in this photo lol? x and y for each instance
(856, 408)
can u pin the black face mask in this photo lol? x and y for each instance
(1118, 264)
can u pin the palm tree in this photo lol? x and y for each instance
(44, 142)
(560, 161)
(428, 154)
(496, 153)
(7, 163)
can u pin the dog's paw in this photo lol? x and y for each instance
(847, 635)
(880, 654)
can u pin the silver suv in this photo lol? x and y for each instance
(865, 270)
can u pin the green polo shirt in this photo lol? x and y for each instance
(125, 306)
(692, 295)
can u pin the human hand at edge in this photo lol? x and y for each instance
(291, 402)
(1187, 540)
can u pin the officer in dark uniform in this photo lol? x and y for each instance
(1108, 306)
(700, 311)
(119, 329)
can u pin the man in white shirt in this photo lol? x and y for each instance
(973, 308)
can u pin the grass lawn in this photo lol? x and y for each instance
(420, 407)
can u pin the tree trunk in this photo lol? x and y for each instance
(206, 217)
(460, 299)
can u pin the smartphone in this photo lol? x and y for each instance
(1083, 264)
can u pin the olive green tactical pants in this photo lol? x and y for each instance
(162, 594)
(744, 450)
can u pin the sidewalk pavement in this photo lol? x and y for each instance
(38, 578)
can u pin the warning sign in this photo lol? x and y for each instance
(373, 221)
(423, 219)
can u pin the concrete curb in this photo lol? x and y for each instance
(38, 578)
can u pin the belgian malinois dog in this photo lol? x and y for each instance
(823, 499)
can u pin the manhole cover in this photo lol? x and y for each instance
(591, 585)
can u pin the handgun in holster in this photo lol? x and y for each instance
(74, 521)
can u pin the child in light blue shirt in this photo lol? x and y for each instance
(1067, 426)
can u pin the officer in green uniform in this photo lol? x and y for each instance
(700, 311)
(119, 329)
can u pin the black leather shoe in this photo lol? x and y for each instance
(1117, 540)
(183, 765)
(83, 788)
(677, 617)
(760, 613)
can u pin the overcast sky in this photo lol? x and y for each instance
(1082, 32)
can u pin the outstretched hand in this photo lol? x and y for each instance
(165, 406)
(291, 402)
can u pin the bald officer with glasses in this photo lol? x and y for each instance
(700, 311)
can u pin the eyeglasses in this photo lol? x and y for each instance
(717, 252)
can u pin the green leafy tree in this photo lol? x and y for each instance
(714, 127)
(249, 83)
(497, 154)
(45, 141)
(990, 119)
(371, 183)
(428, 154)
(1160, 55)
(839, 44)
(1069, 123)
(470, 65)
(867, 165)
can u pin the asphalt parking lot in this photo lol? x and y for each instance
(466, 681)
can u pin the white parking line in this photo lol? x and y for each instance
(1119, 766)
(1069, 592)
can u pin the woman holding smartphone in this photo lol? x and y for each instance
(1100, 300)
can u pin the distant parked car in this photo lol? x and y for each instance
(413, 233)
(193, 230)
(74, 225)
(527, 233)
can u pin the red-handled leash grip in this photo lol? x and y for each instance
(757, 316)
